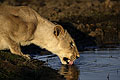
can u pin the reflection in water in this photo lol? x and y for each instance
(69, 72)
(92, 65)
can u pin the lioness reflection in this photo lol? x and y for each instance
(69, 72)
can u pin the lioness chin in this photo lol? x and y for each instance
(21, 25)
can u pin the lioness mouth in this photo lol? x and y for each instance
(68, 61)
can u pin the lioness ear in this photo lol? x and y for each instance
(58, 30)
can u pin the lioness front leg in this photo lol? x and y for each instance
(15, 48)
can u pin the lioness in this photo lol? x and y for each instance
(22, 25)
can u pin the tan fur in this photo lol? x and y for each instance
(22, 26)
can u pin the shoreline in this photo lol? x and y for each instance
(13, 67)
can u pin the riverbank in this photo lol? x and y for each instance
(13, 67)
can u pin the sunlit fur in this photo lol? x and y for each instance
(23, 26)
(67, 49)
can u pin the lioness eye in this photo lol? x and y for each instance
(71, 44)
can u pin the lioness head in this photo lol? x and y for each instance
(67, 50)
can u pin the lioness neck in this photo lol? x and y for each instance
(44, 36)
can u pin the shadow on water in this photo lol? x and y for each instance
(69, 72)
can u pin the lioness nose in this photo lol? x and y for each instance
(77, 57)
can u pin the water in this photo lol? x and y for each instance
(92, 65)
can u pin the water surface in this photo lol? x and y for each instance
(92, 65)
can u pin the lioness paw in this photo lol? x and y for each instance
(27, 56)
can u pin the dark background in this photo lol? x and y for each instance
(90, 22)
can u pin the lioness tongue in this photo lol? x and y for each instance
(71, 63)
